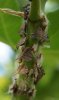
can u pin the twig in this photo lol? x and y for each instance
(12, 12)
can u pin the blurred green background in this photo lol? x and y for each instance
(48, 87)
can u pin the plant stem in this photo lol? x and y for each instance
(34, 16)
(35, 10)
(30, 70)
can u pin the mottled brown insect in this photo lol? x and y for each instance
(39, 72)
(27, 54)
(41, 35)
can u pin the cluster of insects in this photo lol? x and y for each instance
(29, 68)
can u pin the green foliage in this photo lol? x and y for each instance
(9, 25)
(52, 5)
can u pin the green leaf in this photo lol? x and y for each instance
(43, 2)
(51, 6)
(9, 25)
(51, 91)
(22, 3)
(53, 29)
